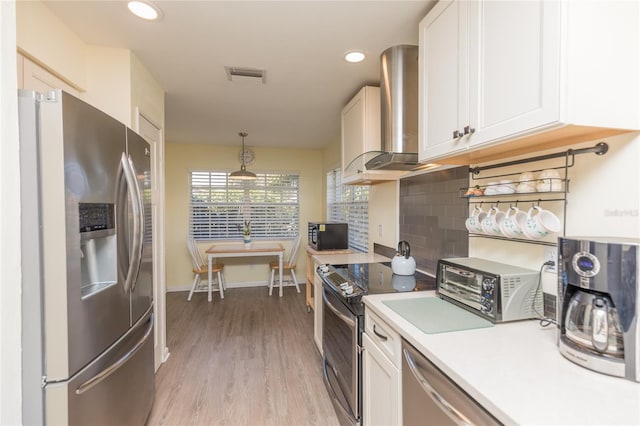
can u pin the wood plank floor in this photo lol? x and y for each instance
(249, 359)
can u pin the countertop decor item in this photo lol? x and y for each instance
(403, 263)
(243, 174)
(246, 231)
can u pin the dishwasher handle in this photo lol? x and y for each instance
(451, 411)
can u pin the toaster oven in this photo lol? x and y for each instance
(495, 291)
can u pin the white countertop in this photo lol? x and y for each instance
(339, 259)
(516, 371)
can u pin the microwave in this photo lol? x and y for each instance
(328, 236)
(495, 291)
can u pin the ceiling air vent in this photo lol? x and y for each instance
(254, 75)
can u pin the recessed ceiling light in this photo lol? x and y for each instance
(354, 56)
(145, 10)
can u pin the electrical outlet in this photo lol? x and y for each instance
(380, 230)
(551, 253)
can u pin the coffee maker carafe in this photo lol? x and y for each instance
(598, 304)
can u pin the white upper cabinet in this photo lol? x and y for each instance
(360, 126)
(360, 136)
(32, 76)
(514, 65)
(501, 78)
(443, 79)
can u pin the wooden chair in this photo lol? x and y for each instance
(287, 265)
(200, 266)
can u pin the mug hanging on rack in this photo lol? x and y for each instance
(540, 223)
(491, 223)
(513, 222)
(474, 222)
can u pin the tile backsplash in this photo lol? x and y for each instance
(432, 216)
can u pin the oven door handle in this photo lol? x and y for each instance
(332, 392)
(445, 406)
(350, 322)
(459, 271)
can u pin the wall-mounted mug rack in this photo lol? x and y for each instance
(549, 184)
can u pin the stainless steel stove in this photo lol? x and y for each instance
(352, 281)
(343, 323)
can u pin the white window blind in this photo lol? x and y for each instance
(220, 206)
(349, 204)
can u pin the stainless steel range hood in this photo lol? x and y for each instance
(393, 161)
(399, 109)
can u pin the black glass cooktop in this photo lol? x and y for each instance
(378, 278)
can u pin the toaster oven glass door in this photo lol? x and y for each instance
(464, 286)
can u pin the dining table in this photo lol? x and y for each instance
(246, 250)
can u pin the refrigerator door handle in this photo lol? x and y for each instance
(121, 223)
(135, 256)
(119, 363)
(138, 231)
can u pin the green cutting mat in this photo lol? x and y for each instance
(433, 315)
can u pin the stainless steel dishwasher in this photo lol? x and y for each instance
(429, 397)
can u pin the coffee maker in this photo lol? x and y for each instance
(599, 304)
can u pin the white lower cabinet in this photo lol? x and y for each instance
(381, 371)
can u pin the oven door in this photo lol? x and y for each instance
(342, 360)
(462, 285)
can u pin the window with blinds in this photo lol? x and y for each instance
(220, 206)
(350, 204)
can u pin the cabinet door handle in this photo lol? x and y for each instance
(468, 130)
(457, 134)
(381, 336)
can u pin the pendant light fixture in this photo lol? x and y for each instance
(242, 174)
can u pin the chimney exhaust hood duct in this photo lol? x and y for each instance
(399, 109)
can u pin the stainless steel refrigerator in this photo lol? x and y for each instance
(87, 304)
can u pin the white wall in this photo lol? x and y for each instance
(384, 214)
(605, 191)
(181, 158)
(10, 311)
(42, 37)
(146, 94)
(109, 81)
